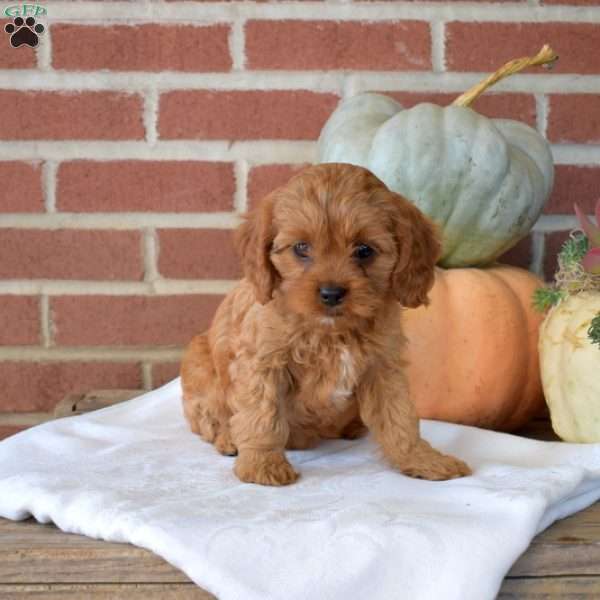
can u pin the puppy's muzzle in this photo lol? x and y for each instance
(332, 295)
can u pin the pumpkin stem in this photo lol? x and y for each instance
(545, 56)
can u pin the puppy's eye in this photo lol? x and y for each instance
(362, 252)
(301, 249)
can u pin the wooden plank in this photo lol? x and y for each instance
(76, 404)
(517, 589)
(550, 588)
(32, 552)
(111, 591)
(569, 547)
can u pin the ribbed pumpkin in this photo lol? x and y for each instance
(570, 336)
(473, 351)
(483, 181)
(570, 365)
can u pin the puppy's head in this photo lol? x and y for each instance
(335, 243)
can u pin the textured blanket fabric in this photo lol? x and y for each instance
(350, 528)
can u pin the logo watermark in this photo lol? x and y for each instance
(25, 29)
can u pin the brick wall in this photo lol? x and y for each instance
(136, 133)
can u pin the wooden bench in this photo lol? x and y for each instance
(40, 561)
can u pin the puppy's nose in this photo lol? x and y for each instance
(332, 295)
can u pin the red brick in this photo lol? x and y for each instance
(265, 178)
(136, 185)
(520, 255)
(552, 244)
(256, 1)
(163, 373)
(39, 386)
(70, 254)
(149, 47)
(244, 115)
(19, 320)
(21, 187)
(574, 118)
(8, 430)
(197, 254)
(446, 1)
(22, 57)
(520, 107)
(573, 2)
(400, 45)
(130, 320)
(70, 116)
(574, 183)
(487, 46)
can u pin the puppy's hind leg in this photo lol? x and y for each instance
(203, 402)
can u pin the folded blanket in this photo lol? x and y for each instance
(350, 528)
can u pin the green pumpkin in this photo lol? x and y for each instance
(483, 181)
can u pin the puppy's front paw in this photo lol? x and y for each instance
(269, 467)
(428, 463)
(442, 468)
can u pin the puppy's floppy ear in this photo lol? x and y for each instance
(253, 239)
(419, 249)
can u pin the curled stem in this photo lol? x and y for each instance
(545, 56)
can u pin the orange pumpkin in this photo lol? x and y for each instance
(473, 351)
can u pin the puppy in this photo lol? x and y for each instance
(309, 344)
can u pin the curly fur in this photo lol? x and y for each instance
(279, 369)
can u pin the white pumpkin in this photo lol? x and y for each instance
(484, 181)
(570, 368)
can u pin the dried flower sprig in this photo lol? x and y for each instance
(591, 260)
(578, 268)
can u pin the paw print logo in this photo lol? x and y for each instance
(24, 32)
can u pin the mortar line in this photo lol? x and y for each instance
(220, 12)
(45, 321)
(438, 46)
(550, 223)
(117, 354)
(347, 86)
(237, 45)
(317, 81)
(240, 199)
(150, 115)
(259, 151)
(120, 221)
(26, 419)
(538, 250)
(541, 113)
(146, 375)
(150, 254)
(49, 171)
(162, 287)
(43, 50)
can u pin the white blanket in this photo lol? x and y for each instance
(350, 528)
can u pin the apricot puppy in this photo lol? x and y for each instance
(309, 344)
